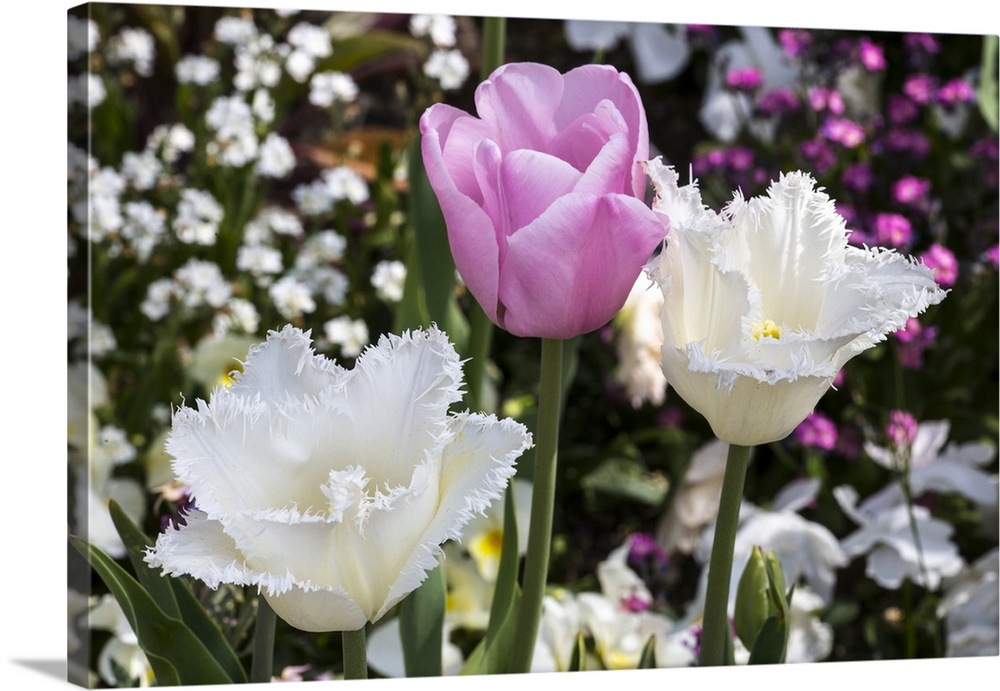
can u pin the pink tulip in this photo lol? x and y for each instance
(543, 195)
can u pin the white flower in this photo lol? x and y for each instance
(350, 334)
(894, 553)
(122, 652)
(300, 65)
(156, 305)
(197, 69)
(970, 606)
(660, 52)
(440, 28)
(275, 158)
(133, 45)
(696, 504)
(483, 536)
(262, 106)
(86, 88)
(200, 282)
(331, 490)
(558, 629)
(81, 37)
(141, 169)
(291, 297)
(955, 470)
(327, 88)
(310, 38)
(809, 638)
(388, 278)
(640, 337)
(765, 302)
(198, 217)
(236, 31)
(344, 183)
(449, 67)
(235, 141)
(258, 259)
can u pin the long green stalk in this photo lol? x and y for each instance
(715, 624)
(355, 654)
(263, 643)
(536, 561)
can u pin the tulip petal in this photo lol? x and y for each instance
(529, 183)
(520, 101)
(285, 367)
(570, 270)
(467, 488)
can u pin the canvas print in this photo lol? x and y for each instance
(412, 345)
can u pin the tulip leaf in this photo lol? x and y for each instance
(421, 626)
(769, 647)
(988, 90)
(578, 661)
(506, 585)
(648, 658)
(626, 477)
(493, 657)
(175, 653)
(174, 596)
(136, 542)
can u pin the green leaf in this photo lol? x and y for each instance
(626, 477)
(769, 648)
(506, 585)
(753, 602)
(174, 596)
(988, 89)
(349, 53)
(578, 662)
(175, 653)
(648, 658)
(421, 626)
(136, 542)
(497, 655)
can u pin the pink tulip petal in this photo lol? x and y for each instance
(458, 133)
(570, 271)
(531, 182)
(519, 100)
(471, 233)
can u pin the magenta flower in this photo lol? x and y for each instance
(543, 195)
(744, 79)
(892, 230)
(902, 427)
(955, 91)
(794, 41)
(817, 431)
(942, 261)
(871, 55)
(909, 189)
(919, 87)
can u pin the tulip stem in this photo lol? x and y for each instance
(494, 40)
(536, 560)
(715, 623)
(355, 654)
(263, 643)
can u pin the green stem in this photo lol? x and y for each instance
(480, 337)
(536, 560)
(494, 38)
(715, 624)
(263, 643)
(355, 654)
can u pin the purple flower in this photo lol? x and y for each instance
(829, 99)
(794, 41)
(817, 431)
(633, 603)
(543, 195)
(993, 256)
(871, 55)
(744, 79)
(857, 177)
(644, 546)
(908, 141)
(914, 339)
(739, 158)
(921, 42)
(919, 87)
(954, 92)
(901, 110)
(778, 102)
(942, 261)
(902, 427)
(843, 131)
(892, 230)
(819, 155)
(909, 189)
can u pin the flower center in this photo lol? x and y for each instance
(488, 545)
(766, 328)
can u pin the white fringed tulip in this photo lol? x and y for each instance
(331, 490)
(765, 302)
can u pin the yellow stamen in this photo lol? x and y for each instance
(487, 545)
(765, 328)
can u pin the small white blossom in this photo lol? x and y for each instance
(258, 259)
(343, 183)
(135, 46)
(638, 344)
(156, 305)
(327, 88)
(300, 64)
(326, 280)
(235, 31)
(270, 221)
(113, 445)
(198, 217)
(82, 36)
(171, 141)
(200, 282)
(143, 228)
(440, 27)
(102, 339)
(87, 89)
(197, 69)
(275, 158)
(313, 39)
(240, 314)
(262, 106)
(388, 278)
(291, 297)
(313, 198)
(142, 169)
(231, 118)
(350, 334)
(326, 246)
(449, 67)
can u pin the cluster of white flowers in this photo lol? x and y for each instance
(197, 69)
(291, 297)
(271, 221)
(239, 315)
(388, 278)
(232, 121)
(198, 282)
(198, 217)
(275, 158)
(142, 169)
(324, 247)
(106, 186)
(446, 64)
(639, 339)
(259, 260)
(327, 88)
(82, 37)
(440, 28)
(351, 335)
(133, 46)
(144, 227)
(309, 43)
(333, 185)
(171, 141)
(86, 89)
